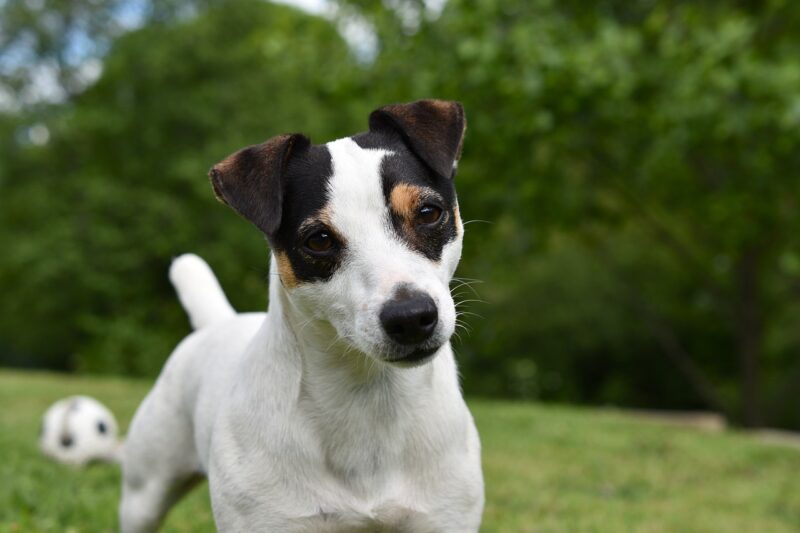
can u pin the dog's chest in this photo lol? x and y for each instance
(368, 460)
(380, 473)
(370, 437)
(390, 517)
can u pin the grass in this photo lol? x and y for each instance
(546, 469)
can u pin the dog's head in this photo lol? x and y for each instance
(365, 230)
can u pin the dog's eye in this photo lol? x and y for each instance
(429, 214)
(320, 242)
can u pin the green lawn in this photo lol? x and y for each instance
(546, 468)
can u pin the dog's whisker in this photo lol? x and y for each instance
(463, 325)
(463, 328)
(458, 296)
(478, 300)
(467, 304)
(466, 298)
(459, 319)
(467, 281)
(472, 292)
(468, 284)
(463, 291)
(459, 284)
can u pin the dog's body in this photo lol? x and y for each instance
(340, 408)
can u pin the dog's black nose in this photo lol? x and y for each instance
(410, 317)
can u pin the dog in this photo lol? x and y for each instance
(338, 410)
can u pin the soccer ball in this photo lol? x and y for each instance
(79, 430)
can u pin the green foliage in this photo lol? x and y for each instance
(658, 142)
(39, 39)
(545, 468)
(635, 162)
(120, 188)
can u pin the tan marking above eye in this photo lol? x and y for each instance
(322, 216)
(285, 270)
(405, 200)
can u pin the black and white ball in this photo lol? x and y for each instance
(79, 430)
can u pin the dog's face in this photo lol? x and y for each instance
(365, 230)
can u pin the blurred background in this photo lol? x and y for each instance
(629, 180)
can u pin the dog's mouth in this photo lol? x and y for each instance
(417, 357)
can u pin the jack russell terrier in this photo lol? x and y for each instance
(338, 410)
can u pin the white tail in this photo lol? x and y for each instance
(199, 291)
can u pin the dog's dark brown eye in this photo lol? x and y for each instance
(320, 242)
(429, 214)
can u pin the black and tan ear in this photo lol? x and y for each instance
(433, 129)
(250, 181)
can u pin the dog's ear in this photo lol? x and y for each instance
(433, 129)
(250, 181)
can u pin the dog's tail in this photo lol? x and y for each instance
(199, 291)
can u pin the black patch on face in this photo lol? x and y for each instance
(305, 196)
(405, 168)
(101, 427)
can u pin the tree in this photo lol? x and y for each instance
(674, 125)
(121, 187)
(635, 162)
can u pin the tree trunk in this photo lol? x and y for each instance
(749, 332)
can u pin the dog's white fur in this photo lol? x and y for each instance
(199, 291)
(295, 416)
